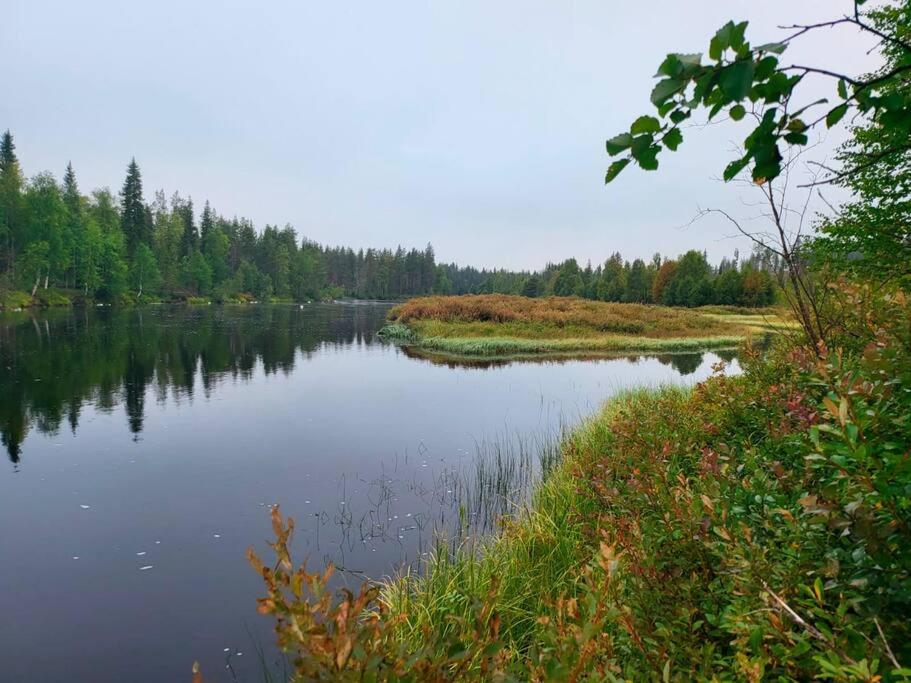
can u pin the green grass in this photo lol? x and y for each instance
(607, 344)
(535, 559)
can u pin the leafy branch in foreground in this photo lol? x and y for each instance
(743, 80)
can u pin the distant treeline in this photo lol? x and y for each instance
(123, 248)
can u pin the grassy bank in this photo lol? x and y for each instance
(500, 326)
(756, 527)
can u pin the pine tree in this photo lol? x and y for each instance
(10, 200)
(132, 212)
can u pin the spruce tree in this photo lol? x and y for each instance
(75, 224)
(70, 188)
(10, 201)
(7, 153)
(190, 240)
(132, 210)
(205, 226)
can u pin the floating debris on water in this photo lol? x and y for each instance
(140, 554)
(86, 507)
(146, 567)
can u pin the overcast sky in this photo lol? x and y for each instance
(477, 125)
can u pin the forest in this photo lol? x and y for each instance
(59, 245)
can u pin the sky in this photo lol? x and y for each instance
(477, 125)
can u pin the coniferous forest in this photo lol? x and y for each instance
(59, 245)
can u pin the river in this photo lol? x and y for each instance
(144, 448)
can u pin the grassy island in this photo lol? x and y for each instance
(514, 326)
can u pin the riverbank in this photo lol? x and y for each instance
(17, 300)
(510, 326)
(755, 527)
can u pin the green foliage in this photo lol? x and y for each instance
(132, 210)
(870, 237)
(568, 281)
(738, 78)
(144, 274)
(102, 246)
(197, 274)
(14, 300)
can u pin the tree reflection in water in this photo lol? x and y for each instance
(55, 363)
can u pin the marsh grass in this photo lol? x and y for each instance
(512, 326)
(537, 556)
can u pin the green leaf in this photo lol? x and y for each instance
(737, 112)
(614, 170)
(672, 139)
(645, 124)
(735, 167)
(691, 59)
(795, 138)
(738, 44)
(671, 66)
(618, 143)
(664, 89)
(842, 89)
(736, 80)
(765, 67)
(767, 170)
(665, 108)
(648, 158)
(835, 115)
(679, 115)
(775, 48)
(721, 41)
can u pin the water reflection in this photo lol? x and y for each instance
(379, 458)
(55, 364)
(684, 363)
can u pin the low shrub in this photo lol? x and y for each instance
(11, 300)
(51, 298)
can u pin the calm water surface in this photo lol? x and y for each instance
(143, 449)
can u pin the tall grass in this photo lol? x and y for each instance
(509, 326)
(535, 559)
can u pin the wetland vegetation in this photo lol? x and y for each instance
(514, 326)
(757, 527)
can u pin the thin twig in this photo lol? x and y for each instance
(886, 643)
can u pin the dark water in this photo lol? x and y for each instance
(144, 448)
